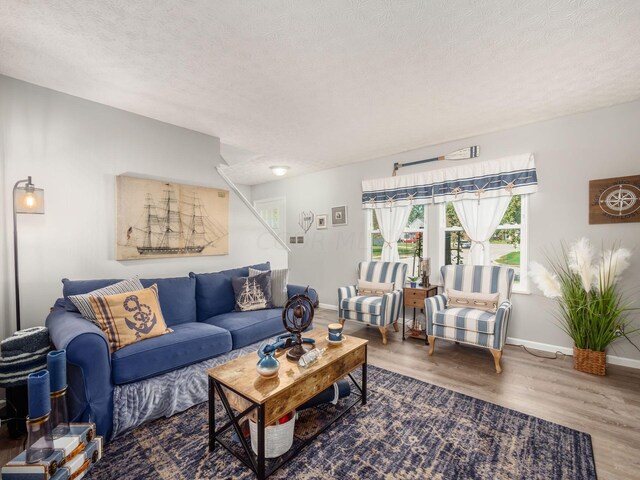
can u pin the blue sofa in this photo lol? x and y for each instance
(163, 375)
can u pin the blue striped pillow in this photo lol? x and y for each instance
(279, 280)
(83, 303)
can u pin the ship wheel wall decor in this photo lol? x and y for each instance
(297, 316)
(614, 200)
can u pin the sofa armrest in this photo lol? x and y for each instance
(298, 289)
(346, 292)
(502, 322)
(90, 391)
(390, 308)
(432, 305)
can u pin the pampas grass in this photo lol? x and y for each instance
(545, 280)
(591, 305)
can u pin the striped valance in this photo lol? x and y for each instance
(507, 176)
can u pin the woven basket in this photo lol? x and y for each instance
(277, 438)
(589, 361)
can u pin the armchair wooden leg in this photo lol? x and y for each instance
(497, 355)
(383, 331)
(341, 320)
(432, 344)
(395, 326)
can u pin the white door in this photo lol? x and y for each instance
(274, 212)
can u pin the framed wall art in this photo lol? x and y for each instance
(156, 219)
(339, 215)
(321, 222)
(614, 200)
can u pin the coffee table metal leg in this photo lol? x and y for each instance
(212, 415)
(364, 378)
(261, 461)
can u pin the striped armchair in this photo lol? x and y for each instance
(381, 311)
(467, 325)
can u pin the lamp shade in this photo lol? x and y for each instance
(28, 199)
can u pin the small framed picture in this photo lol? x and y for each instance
(339, 215)
(292, 239)
(321, 222)
(300, 239)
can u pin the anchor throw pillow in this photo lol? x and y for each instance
(252, 293)
(129, 317)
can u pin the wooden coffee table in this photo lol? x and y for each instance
(242, 390)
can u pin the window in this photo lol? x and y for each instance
(507, 246)
(410, 245)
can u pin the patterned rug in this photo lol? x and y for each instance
(408, 430)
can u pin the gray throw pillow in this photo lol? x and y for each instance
(252, 293)
(83, 304)
(279, 281)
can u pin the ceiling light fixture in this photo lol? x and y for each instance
(279, 170)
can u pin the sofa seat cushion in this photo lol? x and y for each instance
(466, 319)
(363, 304)
(250, 327)
(188, 343)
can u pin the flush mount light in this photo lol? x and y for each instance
(279, 170)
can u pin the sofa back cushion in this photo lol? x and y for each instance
(177, 295)
(177, 298)
(214, 291)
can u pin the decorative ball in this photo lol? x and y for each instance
(297, 314)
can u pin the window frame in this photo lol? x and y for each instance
(521, 287)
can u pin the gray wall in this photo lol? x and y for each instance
(73, 149)
(569, 152)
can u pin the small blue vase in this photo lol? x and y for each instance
(268, 365)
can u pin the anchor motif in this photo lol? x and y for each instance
(143, 319)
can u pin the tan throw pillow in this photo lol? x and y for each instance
(479, 301)
(374, 288)
(129, 317)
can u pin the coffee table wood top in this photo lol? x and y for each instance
(240, 374)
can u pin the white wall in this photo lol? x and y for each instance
(73, 149)
(569, 152)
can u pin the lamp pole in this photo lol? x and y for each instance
(28, 184)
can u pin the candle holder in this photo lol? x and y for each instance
(39, 439)
(59, 413)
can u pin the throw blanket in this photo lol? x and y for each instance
(23, 353)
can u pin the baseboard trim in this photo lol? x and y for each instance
(328, 306)
(545, 347)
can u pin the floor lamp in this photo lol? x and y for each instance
(26, 199)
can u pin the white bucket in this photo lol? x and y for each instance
(277, 438)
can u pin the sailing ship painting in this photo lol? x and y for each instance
(251, 297)
(159, 220)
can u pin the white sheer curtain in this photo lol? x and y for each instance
(392, 222)
(480, 218)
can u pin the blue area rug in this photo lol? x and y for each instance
(408, 430)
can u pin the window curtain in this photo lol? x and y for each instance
(480, 218)
(392, 222)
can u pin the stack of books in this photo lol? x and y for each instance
(73, 456)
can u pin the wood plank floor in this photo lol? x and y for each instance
(607, 407)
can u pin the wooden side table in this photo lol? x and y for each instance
(414, 297)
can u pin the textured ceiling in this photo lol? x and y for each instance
(315, 84)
